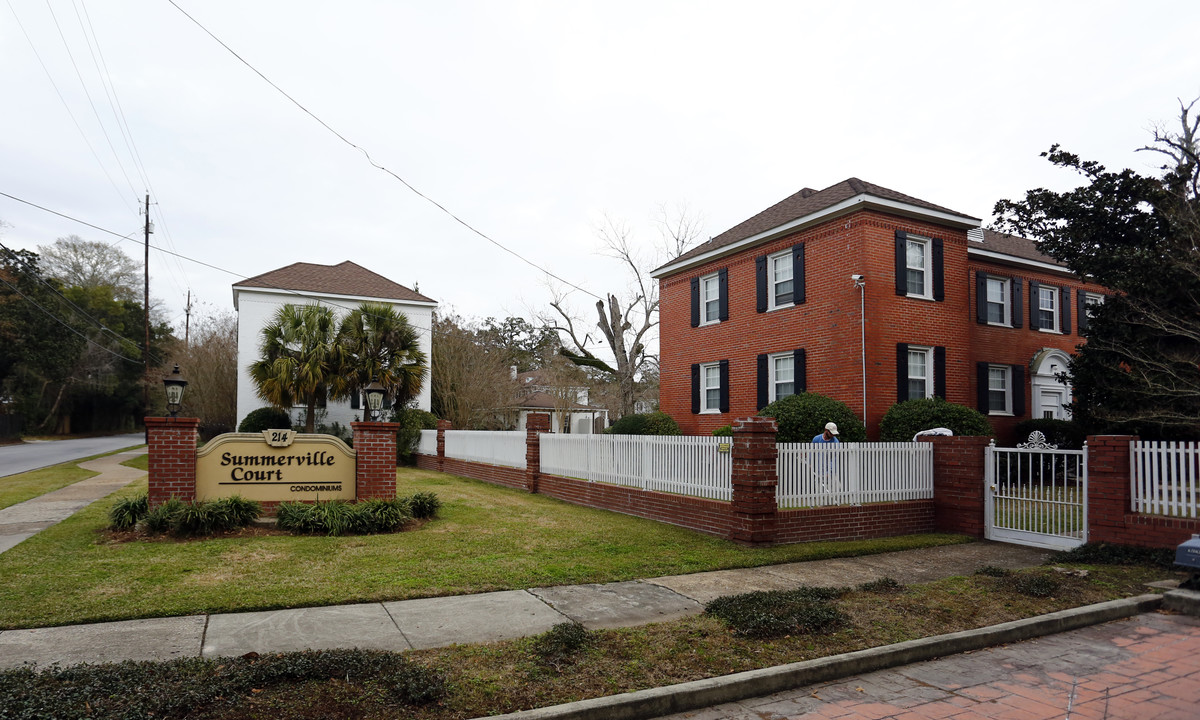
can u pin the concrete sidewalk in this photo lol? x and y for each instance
(23, 520)
(437, 622)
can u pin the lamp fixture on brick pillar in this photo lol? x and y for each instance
(174, 384)
(374, 393)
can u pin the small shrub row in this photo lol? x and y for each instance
(265, 418)
(196, 686)
(905, 419)
(338, 517)
(803, 416)
(1110, 554)
(775, 613)
(187, 519)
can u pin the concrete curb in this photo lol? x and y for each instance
(715, 691)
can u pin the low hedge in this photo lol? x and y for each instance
(904, 420)
(655, 423)
(265, 418)
(803, 416)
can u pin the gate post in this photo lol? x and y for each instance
(958, 477)
(172, 458)
(1109, 497)
(442, 427)
(535, 424)
(755, 507)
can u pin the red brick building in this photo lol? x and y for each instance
(869, 296)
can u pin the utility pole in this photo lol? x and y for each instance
(146, 306)
(187, 321)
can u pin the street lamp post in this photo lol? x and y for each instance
(374, 392)
(174, 384)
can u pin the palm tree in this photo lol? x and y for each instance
(299, 358)
(377, 343)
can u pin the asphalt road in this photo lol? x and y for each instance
(33, 455)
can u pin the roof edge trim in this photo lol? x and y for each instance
(862, 201)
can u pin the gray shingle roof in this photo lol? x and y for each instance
(806, 202)
(345, 278)
(1015, 246)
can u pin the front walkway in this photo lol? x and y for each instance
(24, 520)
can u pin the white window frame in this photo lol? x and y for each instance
(926, 246)
(772, 262)
(705, 387)
(927, 353)
(1007, 389)
(773, 381)
(712, 282)
(1005, 302)
(1055, 296)
(1090, 299)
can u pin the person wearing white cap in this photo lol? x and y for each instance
(829, 436)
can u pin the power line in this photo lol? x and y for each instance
(32, 272)
(376, 165)
(60, 321)
(297, 293)
(67, 107)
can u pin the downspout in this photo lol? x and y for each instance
(860, 282)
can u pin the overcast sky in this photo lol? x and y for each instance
(533, 121)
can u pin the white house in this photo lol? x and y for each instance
(566, 404)
(341, 287)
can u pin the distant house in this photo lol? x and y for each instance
(872, 297)
(567, 404)
(341, 287)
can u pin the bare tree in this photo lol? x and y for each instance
(210, 365)
(627, 323)
(90, 265)
(471, 387)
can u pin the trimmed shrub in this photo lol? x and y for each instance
(1066, 434)
(634, 424)
(161, 518)
(126, 512)
(655, 423)
(386, 515)
(412, 421)
(802, 417)
(774, 613)
(265, 418)
(660, 423)
(423, 505)
(723, 431)
(904, 420)
(206, 517)
(338, 517)
(558, 645)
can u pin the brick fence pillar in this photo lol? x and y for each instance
(442, 427)
(1109, 496)
(754, 506)
(535, 425)
(374, 460)
(172, 460)
(958, 477)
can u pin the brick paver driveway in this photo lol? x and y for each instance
(1143, 668)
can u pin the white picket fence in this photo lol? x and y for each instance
(427, 445)
(1165, 476)
(494, 447)
(822, 474)
(691, 465)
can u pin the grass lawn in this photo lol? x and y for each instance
(19, 488)
(485, 538)
(481, 680)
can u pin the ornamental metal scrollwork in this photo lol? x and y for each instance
(1037, 441)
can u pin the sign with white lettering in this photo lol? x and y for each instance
(260, 467)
